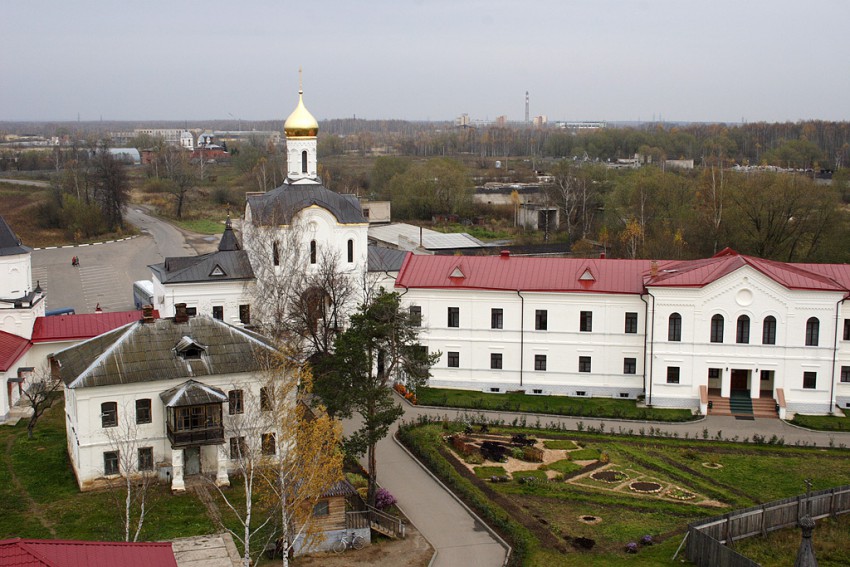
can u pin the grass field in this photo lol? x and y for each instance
(714, 477)
(553, 405)
(823, 422)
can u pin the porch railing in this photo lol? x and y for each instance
(357, 520)
(375, 519)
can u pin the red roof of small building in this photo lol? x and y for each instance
(82, 326)
(57, 553)
(12, 347)
(606, 275)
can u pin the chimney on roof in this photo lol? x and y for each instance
(147, 314)
(653, 269)
(505, 254)
(602, 255)
(180, 314)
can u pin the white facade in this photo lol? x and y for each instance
(233, 297)
(778, 343)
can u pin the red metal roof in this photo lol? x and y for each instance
(12, 347)
(56, 553)
(82, 326)
(606, 275)
(698, 273)
(524, 273)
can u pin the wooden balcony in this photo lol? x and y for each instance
(213, 435)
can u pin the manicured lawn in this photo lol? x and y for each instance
(487, 472)
(41, 500)
(564, 467)
(554, 405)
(539, 475)
(583, 455)
(823, 422)
(559, 513)
(560, 444)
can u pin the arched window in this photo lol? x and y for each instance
(768, 331)
(717, 329)
(812, 331)
(304, 161)
(275, 253)
(312, 251)
(674, 327)
(350, 250)
(742, 335)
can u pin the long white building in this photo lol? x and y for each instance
(674, 332)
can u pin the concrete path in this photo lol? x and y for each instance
(729, 427)
(458, 538)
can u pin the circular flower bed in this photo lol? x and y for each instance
(712, 465)
(680, 493)
(609, 476)
(592, 520)
(646, 487)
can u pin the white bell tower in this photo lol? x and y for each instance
(301, 130)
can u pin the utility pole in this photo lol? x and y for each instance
(526, 107)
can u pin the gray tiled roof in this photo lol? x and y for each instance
(192, 393)
(145, 352)
(10, 244)
(279, 205)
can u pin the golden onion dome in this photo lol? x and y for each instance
(301, 123)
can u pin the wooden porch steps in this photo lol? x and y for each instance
(376, 527)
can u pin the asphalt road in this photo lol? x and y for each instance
(107, 270)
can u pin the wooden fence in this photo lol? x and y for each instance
(709, 541)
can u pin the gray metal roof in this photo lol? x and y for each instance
(10, 244)
(192, 393)
(385, 259)
(146, 352)
(408, 237)
(278, 206)
(215, 266)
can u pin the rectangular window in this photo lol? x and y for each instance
(624, 394)
(717, 329)
(847, 329)
(321, 508)
(497, 319)
(845, 373)
(586, 321)
(416, 315)
(268, 444)
(145, 458)
(265, 399)
(496, 360)
(629, 366)
(537, 391)
(810, 380)
(109, 414)
(584, 364)
(495, 390)
(541, 319)
(766, 375)
(110, 463)
(540, 362)
(313, 252)
(631, 322)
(453, 359)
(191, 311)
(714, 373)
(143, 411)
(454, 316)
(350, 251)
(238, 448)
(672, 374)
(218, 312)
(245, 314)
(235, 402)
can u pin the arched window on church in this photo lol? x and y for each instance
(275, 253)
(350, 250)
(304, 161)
(312, 251)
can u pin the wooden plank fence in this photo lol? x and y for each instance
(709, 541)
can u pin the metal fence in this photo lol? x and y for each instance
(709, 541)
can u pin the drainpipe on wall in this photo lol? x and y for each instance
(645, 333)
(521, 333)
(651, 349)
(834, 356)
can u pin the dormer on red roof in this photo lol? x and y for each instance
(12, 347)
(58, 553)
(82, 326)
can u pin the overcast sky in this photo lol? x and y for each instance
(709, 60)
